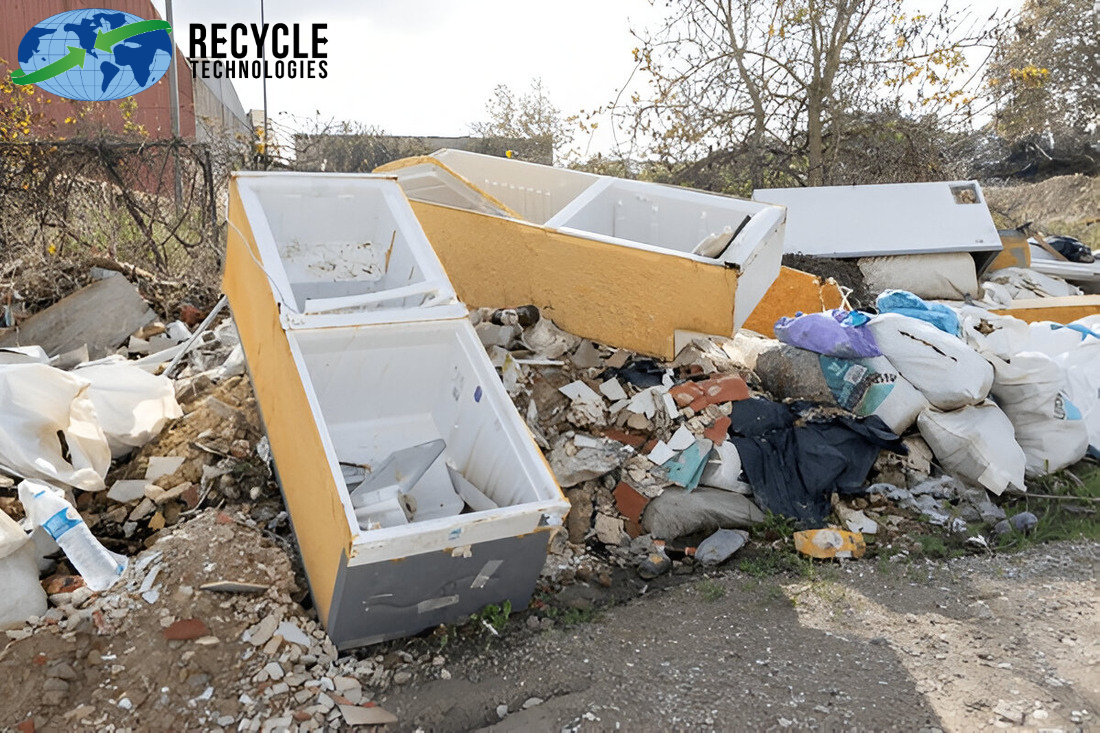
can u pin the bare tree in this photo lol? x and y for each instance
(769, 78)
(526, 116)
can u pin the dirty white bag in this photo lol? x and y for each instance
(37, 402)
(976, 442)
(1082, 369)
(1049, 428)
(947, 372)
(132, 405)
(948, 275)
(21, 595)
(993, 335)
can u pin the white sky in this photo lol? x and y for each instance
(428, 67)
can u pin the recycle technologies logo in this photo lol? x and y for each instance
(94, 55)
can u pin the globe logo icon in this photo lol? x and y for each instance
(94, 55)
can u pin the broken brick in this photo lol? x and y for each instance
(687, 393)
(726, 388)
(62, 584)
(634, 440)
(27, 726)
(186, 629)
(718, 431)
(630, 504)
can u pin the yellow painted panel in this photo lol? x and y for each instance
(1015, 252)
(308, 486)
(793, 291)
(1058, 310)
(621, 296)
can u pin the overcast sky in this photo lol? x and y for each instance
(427, 67)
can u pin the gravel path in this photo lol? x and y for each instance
(969, 644)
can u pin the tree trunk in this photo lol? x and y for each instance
(815, 151)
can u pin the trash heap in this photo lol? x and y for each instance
(920, 409)
(98, 457)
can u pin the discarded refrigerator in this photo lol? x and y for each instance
(626, 263)
(415, 490)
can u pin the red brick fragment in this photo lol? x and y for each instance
(186, 629)
(630, 504)
(718, 431)
(62, 584)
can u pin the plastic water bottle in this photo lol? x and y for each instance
(47, 508)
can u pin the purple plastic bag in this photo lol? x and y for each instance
(836, 333)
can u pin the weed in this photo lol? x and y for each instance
(572, 616)
(711, 590)
(1059, 519)
(495, 616)
(774, 527)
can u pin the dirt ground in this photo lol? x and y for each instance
(975, 643)
(1061, 205)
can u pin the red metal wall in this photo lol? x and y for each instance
(16, 18)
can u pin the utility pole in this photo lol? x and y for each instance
(267, 140)
(174, 102)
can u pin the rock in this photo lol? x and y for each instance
(292, 634)
(655, 564)
(609, 530)
(262, 632)
(532, 702)
(586, 463)
(1024, 522)
(274, 670)
(53, 684)
(579, 519)
(358, 715)
(402, 678)
(502, 711)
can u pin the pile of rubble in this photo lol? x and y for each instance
(868, 421)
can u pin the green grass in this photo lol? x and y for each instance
(711, 590)
(1059, 519)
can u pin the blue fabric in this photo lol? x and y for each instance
(905, 303)
(836, 333)
(1085, 332)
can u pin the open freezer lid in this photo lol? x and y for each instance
(885, 219)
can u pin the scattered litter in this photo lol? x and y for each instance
(829, 543)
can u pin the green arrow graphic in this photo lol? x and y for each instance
(75, 57)
(104, 41)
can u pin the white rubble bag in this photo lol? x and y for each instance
(37, 402)
(947, 275)
(21, 595)
(993, 335)
(1049, 428)
(947, 372)
(976, 442)
(132, 405)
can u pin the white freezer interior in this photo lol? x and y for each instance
(341, 243)
(535, 192)
(669, 217)
(382, 388)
